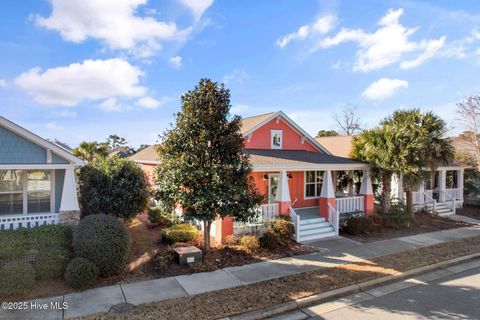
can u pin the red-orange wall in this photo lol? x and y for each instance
(149, 171)
(291, 140)
(295, 185)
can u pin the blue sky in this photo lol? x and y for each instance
(82, 69)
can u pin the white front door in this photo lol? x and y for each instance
(272, 187)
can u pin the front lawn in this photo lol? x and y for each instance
(471, 212)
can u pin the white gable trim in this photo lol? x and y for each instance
(30, 136)
(291, 124)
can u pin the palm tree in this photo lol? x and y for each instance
(419, 144)
(90, 151)
(375, 146)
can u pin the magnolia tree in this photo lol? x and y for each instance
(202, 166)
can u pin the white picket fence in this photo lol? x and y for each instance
(12, 222)
(349, 204)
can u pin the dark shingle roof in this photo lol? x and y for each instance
(272, 156)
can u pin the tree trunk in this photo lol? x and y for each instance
(386, 191)
(206, 234)
(410, 204)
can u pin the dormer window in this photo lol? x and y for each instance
(276, 139)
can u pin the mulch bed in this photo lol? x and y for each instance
(472, 212)
(222, 303)
(425, 222)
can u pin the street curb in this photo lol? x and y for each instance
(320, 297)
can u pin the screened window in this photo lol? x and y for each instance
(11, 191)
(38, 191)
(313, 183)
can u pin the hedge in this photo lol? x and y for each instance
(180, 233)
(14, 244)
(16, 278)
(81, 273)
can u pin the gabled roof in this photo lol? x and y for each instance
(340, 146)
(30, 136)
(249, 125)
(148, 155)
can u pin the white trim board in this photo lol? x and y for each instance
(308, 167)
(30, 136)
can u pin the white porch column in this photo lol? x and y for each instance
(283, 194)
(421, 189)
(69, 208)
(366, 189)
(397, 187)
(442, 182)
(460, 184)
(327, 195)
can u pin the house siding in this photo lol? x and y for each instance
(15, 149)
(291, 139)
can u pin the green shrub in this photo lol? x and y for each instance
(397, 217)
(250, 243)
(81, 273)
(14, 244)
(180, 233)
(16, 278)
(357, 224)
(284, 229)
(50, 263)
(157, 215)
(104, 241)
(113, 186)
(269, 240)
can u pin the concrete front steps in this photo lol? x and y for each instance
(443, 210)
(315, 228)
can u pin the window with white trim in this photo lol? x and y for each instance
(24, 192)
(313, 183)
(276, 139)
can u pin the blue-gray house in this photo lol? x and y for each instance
(37, 180)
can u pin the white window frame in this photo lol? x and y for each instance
(25, 191)
(272, 135)
(315, 183)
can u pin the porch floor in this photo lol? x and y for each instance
(308, 213)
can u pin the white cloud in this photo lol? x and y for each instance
(110, 105)
(176, 62)
(239, 108)
(151, 103)
(113, 22)
(322, 26)
(53, 126)
(387, 45)
(65, 114)
(237, 75)
(384, 88)
(198, 7)
(3, 83)
(89, 80)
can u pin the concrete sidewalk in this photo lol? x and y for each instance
(333, 252)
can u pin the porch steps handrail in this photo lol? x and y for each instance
(334, 218)
(448, 198)
(427, 198)
(296, 222)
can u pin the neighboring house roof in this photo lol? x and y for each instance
(340, 146)
(30, 136)
(121, 152)
(249, 125)
(295, 158)
(148, 155)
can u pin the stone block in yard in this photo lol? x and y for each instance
(184, 255)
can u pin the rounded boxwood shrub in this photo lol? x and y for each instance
(50, 263)
(284, 229)
(81, 273)
(180, 233)
(250, 243)
(16, 278)
(269, 240)
(104, 241)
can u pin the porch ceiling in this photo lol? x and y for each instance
(262, 159)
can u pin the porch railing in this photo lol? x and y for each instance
(450, 200)
(452, 194)
(334, 218)
(350, 204)
(428, 198)
(296, 222)
(12, 222)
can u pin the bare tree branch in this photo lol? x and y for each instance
(348, 120)
(468, 111)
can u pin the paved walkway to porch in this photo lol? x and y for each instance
(333, 252)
